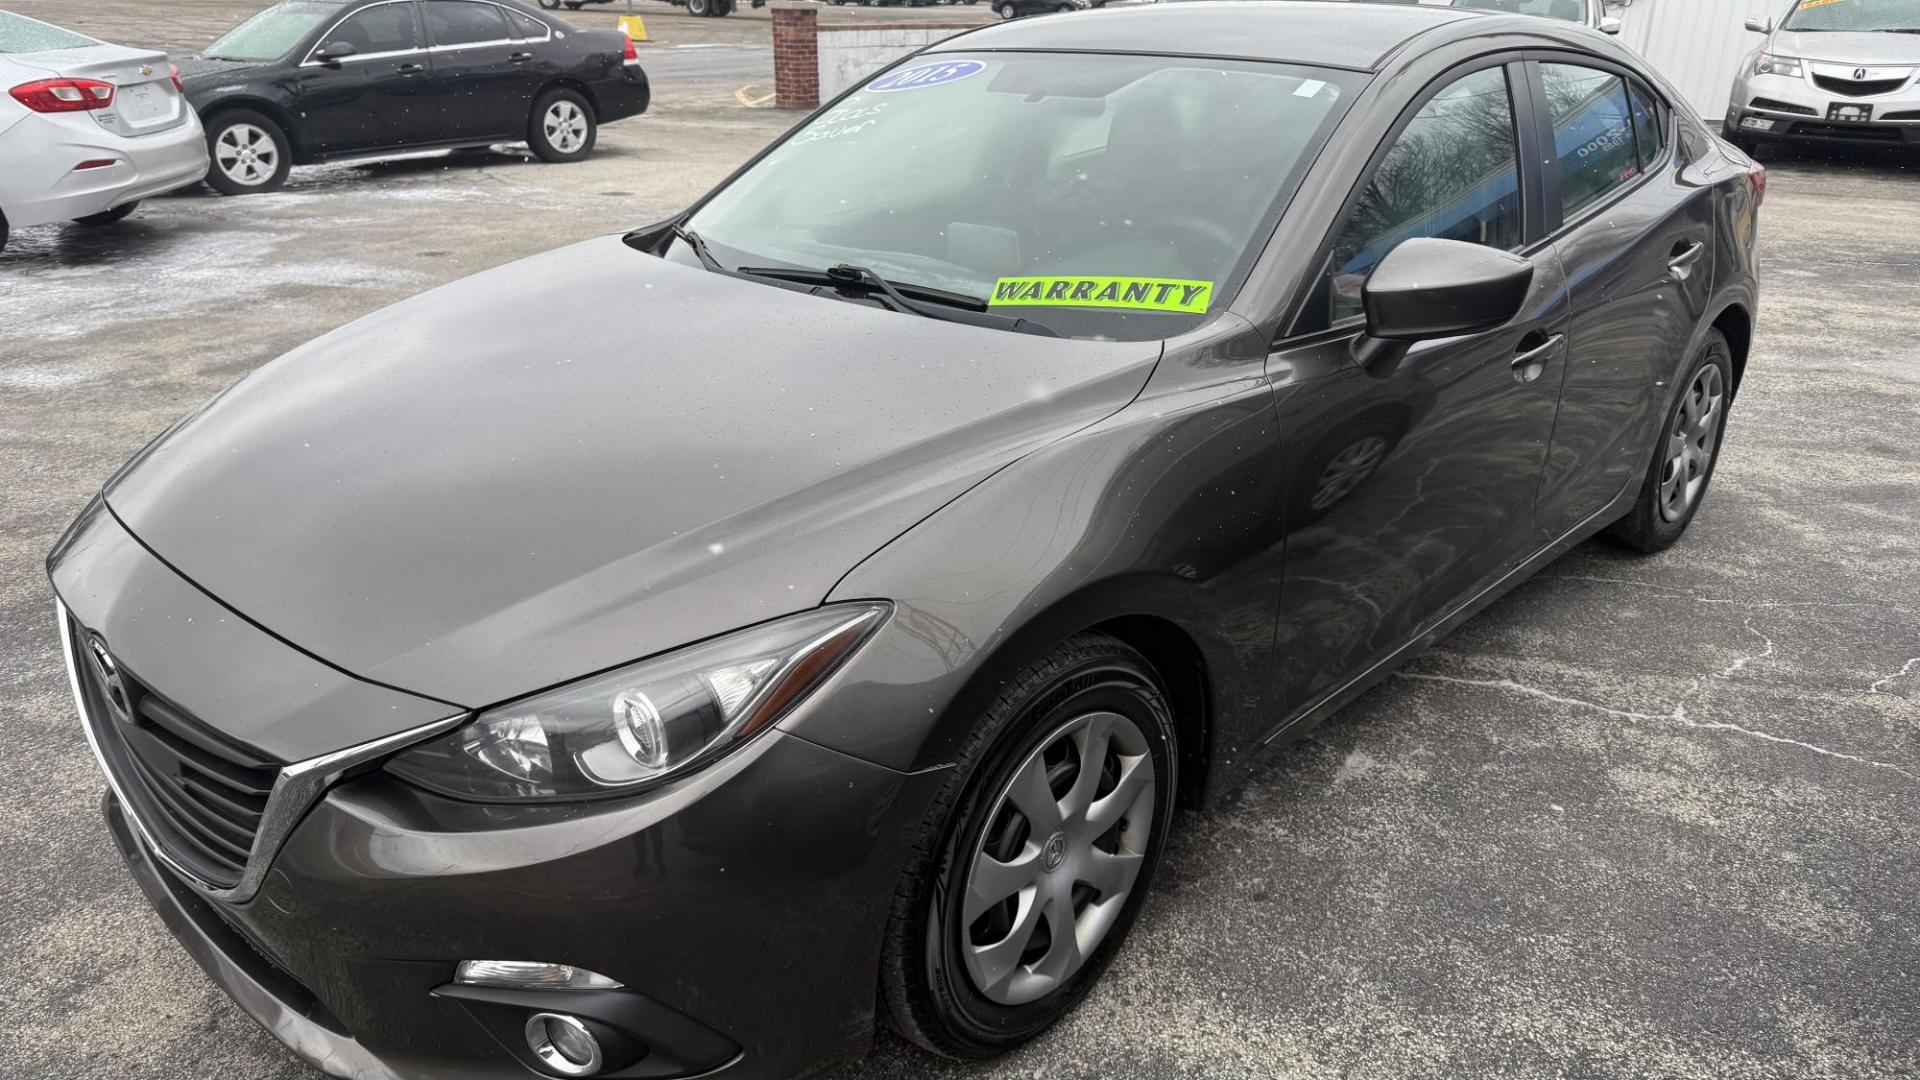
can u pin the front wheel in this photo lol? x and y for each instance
(1685, 455)
(550, 5)
(249, 152)
(108, 217)
(698, 7)
(1036, 856)
(1006, 10)
(562, 128)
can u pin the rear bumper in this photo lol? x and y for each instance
(619, 98)
(42, 185)
(750, 900)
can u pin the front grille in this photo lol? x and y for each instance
(1850, 88)
(1783, 107)
(1859, 132)
(200, 797)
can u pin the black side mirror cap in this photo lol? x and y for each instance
(335, 51)
(1427, 288)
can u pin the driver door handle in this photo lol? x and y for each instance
(1684, 256)
(412, 68)
(1531, 360)
(520, 57)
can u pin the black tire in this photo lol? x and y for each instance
(4, 232)
(550, 5)
(720, 9)
(698, 7)
(930, 997)
(108, 217)
(1649, 527)
(1006, 10)
(233, 120)
(542, 143)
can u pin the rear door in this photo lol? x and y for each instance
(482, 70)
(379, 98)
(1412, 491)
(1635, 232)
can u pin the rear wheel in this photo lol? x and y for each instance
(698, 7)
(108, 217)
(562, 128)
(249, 153)
(550, 5)
(1683, 460)
(720, 9)
(1037, 855)
(1006, 9)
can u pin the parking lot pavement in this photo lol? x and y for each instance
(1645, 817)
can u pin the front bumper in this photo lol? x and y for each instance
(1787, 108)
(42, 185)
(750, 898)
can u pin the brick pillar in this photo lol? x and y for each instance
(796, 54)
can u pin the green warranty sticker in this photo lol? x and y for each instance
(1144, 294)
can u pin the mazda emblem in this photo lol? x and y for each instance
(112, 686)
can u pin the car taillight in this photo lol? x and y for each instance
(173, 70)
(64, 95)
(629, 54)
(1758, 174)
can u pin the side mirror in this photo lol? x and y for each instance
(1610, 24)
(1759, 25)
(335, 51)
(1428, 288)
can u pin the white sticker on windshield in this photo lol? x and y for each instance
(1310, 88)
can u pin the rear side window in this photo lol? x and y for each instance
(1452, 174)
(383, 29)
(1648, 131)
(1592, 133)
(463, 22)
(528, 27)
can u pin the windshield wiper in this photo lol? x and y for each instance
(913, 299)
(693, 240)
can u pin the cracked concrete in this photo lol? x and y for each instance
(1643, 818)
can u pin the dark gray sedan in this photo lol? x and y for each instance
(820, 625)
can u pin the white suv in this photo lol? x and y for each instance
(1832, 72)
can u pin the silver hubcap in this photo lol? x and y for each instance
(1062, 849)
(565, 126)
(1691, 445)
(246, 154)
(1348, 470)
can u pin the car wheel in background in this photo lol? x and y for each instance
(1006, 9)
(563, 128)
(108, 217)
(1687, 449)
(697, 7)
(550, 5)
(1036, 856)
(248, 152)
(3, 232)
(720, 9)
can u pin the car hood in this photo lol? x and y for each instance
(1849, 48)
(584, 458)
(206, 71)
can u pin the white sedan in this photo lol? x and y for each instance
(87, 129)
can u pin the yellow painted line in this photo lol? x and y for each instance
(742, 97)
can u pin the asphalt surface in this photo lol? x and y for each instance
(1644, 818)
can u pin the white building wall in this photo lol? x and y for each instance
(848, 55)
(1698, 44)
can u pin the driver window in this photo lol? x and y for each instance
(1452, 174)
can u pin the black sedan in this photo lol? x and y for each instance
(477, 701)
(308, 81)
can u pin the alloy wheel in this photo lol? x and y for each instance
(565, 126)
(1691, 445)
(1064, 844)
(247, 155)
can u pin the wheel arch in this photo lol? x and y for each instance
(1735, 323)
(270, 109)
(569, 82)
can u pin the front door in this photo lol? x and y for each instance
(483, 72)
(1637, 247)
(380, 96)
(1411, 492)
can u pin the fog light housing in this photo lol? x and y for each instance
(526, 975)
(564, 1044)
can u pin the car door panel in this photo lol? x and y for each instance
(486, 77)
(380, 98)
(1640, 267)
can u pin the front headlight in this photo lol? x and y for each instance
(624, 729)
(1769, 64)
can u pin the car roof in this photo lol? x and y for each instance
(1317, 32)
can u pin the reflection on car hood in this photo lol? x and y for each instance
(1849, 48)
(588, 457)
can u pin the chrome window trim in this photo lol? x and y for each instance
(321, 42)
(295, 790)
(506, 16)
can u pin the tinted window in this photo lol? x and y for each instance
(383, 29)
(461, 22)
(19, 34)
(1857, 15)
(1592, 132)
(1648, 131)
(1453, 174)
(1050, 185)
(272, 33)
(528, 27)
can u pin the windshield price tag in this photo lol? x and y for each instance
(925, 75)
(1144, 294)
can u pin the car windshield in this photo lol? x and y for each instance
(19, 34)
(1858, 15)
(271, 34)
(1102, 196)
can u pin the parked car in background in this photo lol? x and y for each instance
(1014, 9)
(1591, 13)
(87, 129)
(321, 80)
(1836, 71)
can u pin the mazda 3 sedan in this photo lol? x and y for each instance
(481, 700)
(1843, 71)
